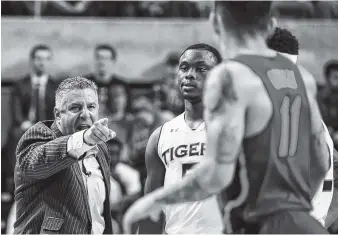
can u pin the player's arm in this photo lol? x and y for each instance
(155, 179)
(224, 116)
(318, 139)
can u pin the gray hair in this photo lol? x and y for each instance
(71, 84)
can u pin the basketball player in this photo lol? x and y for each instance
(179, 144)
(260, 102)
(287, 45)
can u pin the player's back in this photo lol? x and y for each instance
(180, 148)
(277, 143)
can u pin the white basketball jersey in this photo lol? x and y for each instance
(180, 148)
(322, 199)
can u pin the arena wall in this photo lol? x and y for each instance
(140, 43)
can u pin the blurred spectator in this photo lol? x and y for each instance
(117, 111)
(174, 101)
(293, 9)
(56, 8)
(104, 75)
(125, 183)
(170, 9)
(167, 96)
(325, 9)
(191, 9)
(33, 99)
(146, 119)
(328, 99)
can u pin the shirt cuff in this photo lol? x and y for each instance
(75, 145)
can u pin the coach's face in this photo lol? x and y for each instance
(193, 69)
(79, 110)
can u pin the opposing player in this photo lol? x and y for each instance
(180, 143)
(287, 44)
(260, 102)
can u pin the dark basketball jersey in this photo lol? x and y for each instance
(274, 172)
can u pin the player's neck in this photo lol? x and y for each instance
(250, 46)
(193, 111)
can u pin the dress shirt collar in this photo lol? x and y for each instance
(39, 79)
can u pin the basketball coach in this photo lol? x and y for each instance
(62, 171)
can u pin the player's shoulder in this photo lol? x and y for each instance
(174, 121)
(239, 73)
(234, 75)
(171, 124)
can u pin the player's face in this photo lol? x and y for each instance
(79, 110)
(192, 72)
(41, 61)
(104, 60)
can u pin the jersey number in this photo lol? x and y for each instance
(186, 168)
(290, 114)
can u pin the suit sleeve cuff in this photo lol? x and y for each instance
(76, 147)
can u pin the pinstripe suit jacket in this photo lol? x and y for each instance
(49, 189)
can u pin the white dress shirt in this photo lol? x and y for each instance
(94, 183)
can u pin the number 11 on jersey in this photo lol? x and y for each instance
(290, 114)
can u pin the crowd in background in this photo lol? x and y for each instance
(191, 9)
(132, 116)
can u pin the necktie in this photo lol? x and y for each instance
(33, 113)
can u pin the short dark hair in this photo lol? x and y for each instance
(38, 48)
(203, 46)
(329, 66)
(107, 47)
(282, 40)
(71, 84)
(244, 16)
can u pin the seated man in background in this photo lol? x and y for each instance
(33, 100)
(117, 110)
(146, 119)
(104, 76)
(328, 99)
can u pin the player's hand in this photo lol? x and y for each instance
(98, 133)
(143, 208)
